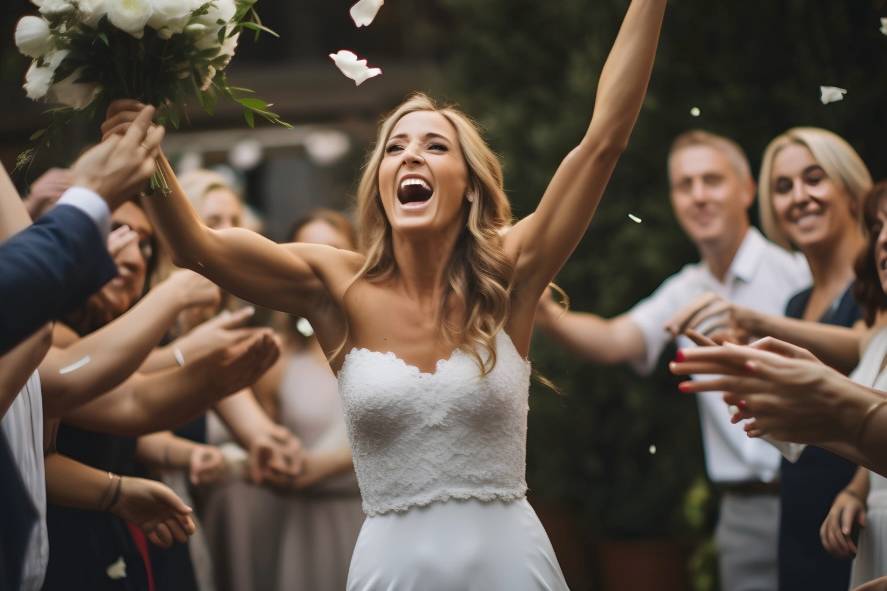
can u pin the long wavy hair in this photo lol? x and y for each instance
(478, 274)
(867, 289)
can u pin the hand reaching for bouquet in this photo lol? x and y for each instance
(118, 167)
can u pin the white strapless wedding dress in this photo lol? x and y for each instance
(441, 459)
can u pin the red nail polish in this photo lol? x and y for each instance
(684, 386)
(742, 404)
(679, 356)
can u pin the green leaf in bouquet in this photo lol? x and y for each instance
(255, 104)
(250, 117)
(104, 38)
(37, 135)
(258, 28)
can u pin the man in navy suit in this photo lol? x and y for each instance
(46, 269)
(52, 266)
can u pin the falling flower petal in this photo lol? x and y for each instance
(634, 218)
(652, 450)
(884, 26)
(304, 327)
(831, 94)
(75, 366)
(695, 112)
(365, 11)
(790, 451)
(117, 570)
(352, 67)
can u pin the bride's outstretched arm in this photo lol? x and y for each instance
(544, 240)
(283, 277)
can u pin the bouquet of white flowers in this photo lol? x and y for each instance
(87, 53)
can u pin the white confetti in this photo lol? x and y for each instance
(884, 26)
(652, 450)
(352, 67)
(831, 94)
(304, 327)
(365, 11)
(117, 570)
(634, 218)
(75, 366)
(695, 112)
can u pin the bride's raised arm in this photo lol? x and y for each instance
(544, 240)
(286, 277)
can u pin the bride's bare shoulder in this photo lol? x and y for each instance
(332, 265)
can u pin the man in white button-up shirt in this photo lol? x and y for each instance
(711, 191)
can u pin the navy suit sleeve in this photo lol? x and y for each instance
(49, 269)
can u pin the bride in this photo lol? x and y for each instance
(429, 326)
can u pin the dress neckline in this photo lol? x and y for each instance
(438, 365)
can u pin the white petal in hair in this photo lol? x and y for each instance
(365, 11)
(353, 68)
(831, 94)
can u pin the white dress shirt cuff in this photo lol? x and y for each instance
(92, 205)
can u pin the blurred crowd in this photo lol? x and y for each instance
(159, 433)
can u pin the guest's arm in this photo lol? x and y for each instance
(149, 505)
(275, 455)
(75, 374)
(13, 215)
(836, 346)
(203, 463)
(165, 400)
(591, 337)
(17, 365)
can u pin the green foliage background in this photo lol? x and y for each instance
(527, 70)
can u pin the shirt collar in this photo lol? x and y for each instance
(748, 257)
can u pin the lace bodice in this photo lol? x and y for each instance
(420, 438)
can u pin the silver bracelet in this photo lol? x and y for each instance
(180, 357)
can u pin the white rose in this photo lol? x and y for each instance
(53, 7)
(228, 47)
(130, 15)
(92, 11)
(169, 17)
(32, 36)
(219, 10)
(38, 78)
(71, 93)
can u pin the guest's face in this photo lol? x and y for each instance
(220, 209)
(121, 293)
(812, 209)
(879, 233)
(320, 232)
(423, 176)
(709, 197)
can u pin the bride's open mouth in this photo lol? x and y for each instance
(414, 192)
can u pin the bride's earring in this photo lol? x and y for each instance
(469, 197)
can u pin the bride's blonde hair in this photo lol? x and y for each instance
(478, 274)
